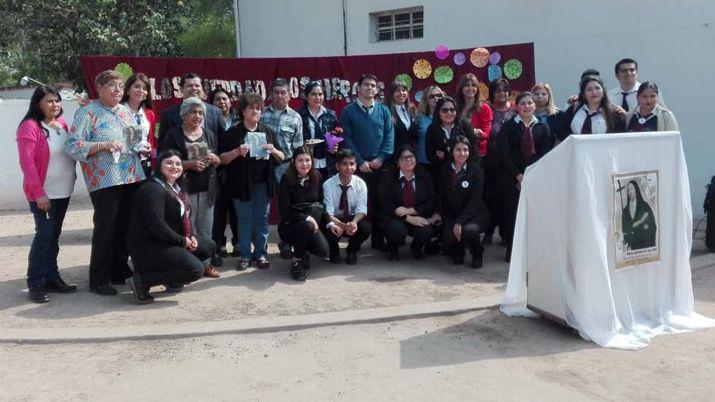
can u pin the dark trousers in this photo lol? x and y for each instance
(42, 261)
(470, 239)
(396, 230)
(224, 209)
(108, 258)
(174, 264)
(300, 235)
(373, 190)
(354, 242)
(492, 197)
(510, 199)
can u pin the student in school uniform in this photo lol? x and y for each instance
(592, 113)
(302, 212)
(403, 116)
(345, 199)
(462, 210)
(649, 115)
(406, 204)
(522, 141)
(446, 126)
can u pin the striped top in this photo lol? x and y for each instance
(97, 123)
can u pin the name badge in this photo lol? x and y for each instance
(465, 184)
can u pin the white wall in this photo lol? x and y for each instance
(674, 43)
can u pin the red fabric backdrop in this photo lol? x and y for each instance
(340, 72)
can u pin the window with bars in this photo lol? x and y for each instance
(406, 23)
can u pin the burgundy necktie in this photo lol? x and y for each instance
(527, 143)
(624, 104)
(185, 221)
(586, 128)
(343, 209)
(408, 193)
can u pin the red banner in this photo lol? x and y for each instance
(338, 74)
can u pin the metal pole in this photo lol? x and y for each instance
(345, 29)
(237, 24)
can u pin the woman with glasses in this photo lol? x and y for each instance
(48, 181)
(425, 111)
(441, 134)
(112, 172)
(406, 204)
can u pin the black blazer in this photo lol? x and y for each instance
(176, 140)
(565, 119)
(436, 142)
(327, 122)
(404, 136)
(511, 160)
(155, 218)
(213, 120)
(390, 197)
(461, 202)
(240, 173)
(292, 200)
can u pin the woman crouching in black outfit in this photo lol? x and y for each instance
(302, 212)
(165, 248)
(463, 212)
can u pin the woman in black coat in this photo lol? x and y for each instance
(406, 205)
(443, 131)
(463, 212)
(317, 122)
(164, 246)
(521, 142)
(403, 116)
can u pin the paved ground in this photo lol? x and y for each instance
(377, 331)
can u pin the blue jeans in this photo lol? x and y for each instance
(253, 221)
(42, 261)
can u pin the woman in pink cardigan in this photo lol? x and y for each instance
(48, 181)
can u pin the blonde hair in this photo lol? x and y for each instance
(423, 106)
(551, 109)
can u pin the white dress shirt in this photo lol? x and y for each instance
(598, 122)
(404, 116)
(357, 196)
(616, 96)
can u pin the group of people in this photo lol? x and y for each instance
(445, 172)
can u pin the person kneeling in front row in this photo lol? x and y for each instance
(345, 196)
(406, 204)
(165, 248)
(302, 213)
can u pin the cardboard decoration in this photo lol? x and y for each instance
(479, 57)
(406, 79)
(441, 52)
(494, 72)
(460, 59)
(443, 74)
(422, 69)
(512, 69)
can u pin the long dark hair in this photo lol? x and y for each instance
(291, 174)
(459, 96)
(148, 102)
(390, 102)
(435, 117)
(157, 168)
(606, 107)
(35, 112)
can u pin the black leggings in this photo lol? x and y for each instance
(300, 235)
(172, 264)
(470, 239)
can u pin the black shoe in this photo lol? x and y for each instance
(477, 261)
(217, 260)
(393, 254)
(285, 249)
(38, 295)
(103, 290)
(297, 271)
(417, 253)
(351, 257)
(141, 296)
(334, 257)
(222, 252)
(173, 287)
(59, 286)
(306, 261)
(487, 240)
(243, 264)
(263, 263)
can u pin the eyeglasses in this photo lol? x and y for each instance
(407, 158)
(115, 86)
(435, 96)
(447, 110)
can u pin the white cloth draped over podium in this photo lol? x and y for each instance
(603, 238)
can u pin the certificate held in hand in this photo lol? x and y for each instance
(255, 141)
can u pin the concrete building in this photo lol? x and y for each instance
(673, 43)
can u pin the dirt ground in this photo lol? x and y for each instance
(479, 354)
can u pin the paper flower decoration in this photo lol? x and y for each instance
(406, 79)
(460, 58)
(512, 69)
(441, 52)
(418, 96)
(494, 72)
(483, 91)
(443, 74)
(124, 69)
(479, 57)
(422, 69)
(495, 58)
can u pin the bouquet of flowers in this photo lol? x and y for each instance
(333, 138)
